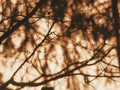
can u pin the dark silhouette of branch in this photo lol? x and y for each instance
(82, 33)
(66, 73)
(27, 59)
(17, 25)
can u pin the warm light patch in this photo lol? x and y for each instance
(60, 50)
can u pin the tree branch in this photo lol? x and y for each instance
(17, 25)
(26, 60)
